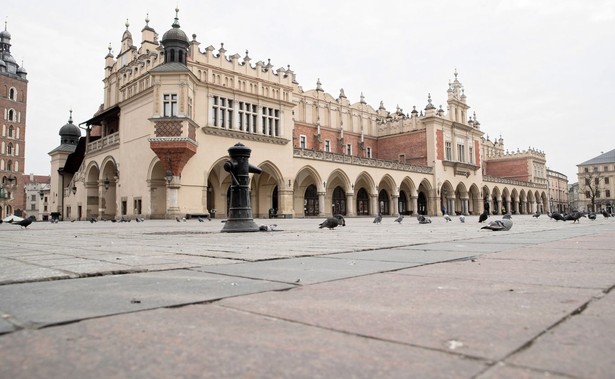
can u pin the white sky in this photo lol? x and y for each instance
(539, 73)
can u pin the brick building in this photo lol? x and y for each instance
(13, 104)
(157, 145)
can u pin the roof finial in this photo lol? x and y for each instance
(147, 19)
(70, 118)
(176, 22)
(6, 21)
(127, 24)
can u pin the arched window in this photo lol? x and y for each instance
(362, 202)
(310, 201)
(339, 201)
(9, 149)
(383, 202)
(403, 203)
(9, 166)
(12, 94)
(11, 115)
(11, 131)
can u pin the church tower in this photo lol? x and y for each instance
(13, 104)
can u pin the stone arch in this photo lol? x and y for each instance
(474, 200)
(337, 186)
(514, 201)
(108, 180)
(387, 195)
(306, 202)
(365, 189)
(425, 199)
(266, 188)
(92, 190)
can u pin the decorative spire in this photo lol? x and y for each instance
(176, 21)
(146, 19)
(127, 24)
(362, 98)
(70, 117)
(429, 104)
(319, 85)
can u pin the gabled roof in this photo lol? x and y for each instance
(608, 157)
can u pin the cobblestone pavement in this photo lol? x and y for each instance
(163, 299)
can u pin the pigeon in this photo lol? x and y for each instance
(483, 216)
(330, 222)
(201, 219)
(399, 218)
(536, 215)
(378, 219)
(574, 216)
(25, 222)
(267, 228)
(423, 220)
(447, 218)
(498, 225)
(341, 219)
(606, 214)
(92, 220)
(462, 218)
(177, 219)
(591, 216)
(557, 216)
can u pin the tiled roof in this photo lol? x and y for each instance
(608, 157)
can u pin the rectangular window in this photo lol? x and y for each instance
(606, 168)
(606, 180)
(169, 102)
(303, 141)
(369, 152)
(33, 197)
(32, 207)
(461, 152)
(587, 195)
(327, 146)
(402, 158)
(607, 193)
(596, 181)
(587, 181)
(271, 121)
(471, 154)
(448, 151)
(222, 112)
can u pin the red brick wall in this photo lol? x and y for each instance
(439, 145)
(516, 169)
(413, 145)
(328, 134)
(19, 105)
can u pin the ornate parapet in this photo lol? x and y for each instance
(358, 161)
(495, 179)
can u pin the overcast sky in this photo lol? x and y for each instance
(540, 73)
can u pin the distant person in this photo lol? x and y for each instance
(443, 209)
(486, 205)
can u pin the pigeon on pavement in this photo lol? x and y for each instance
(499, 225)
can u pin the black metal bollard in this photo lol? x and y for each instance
(240, 211)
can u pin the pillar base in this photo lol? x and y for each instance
(240, 226)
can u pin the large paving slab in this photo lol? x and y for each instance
(475, 318)
(33, 305)
(208, 341)
(540, 272)
(306, 270)
(587, 340)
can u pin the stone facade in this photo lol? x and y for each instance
(158, 144)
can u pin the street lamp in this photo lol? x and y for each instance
(106, 183)
(168, 176)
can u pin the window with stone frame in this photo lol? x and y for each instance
(169, 102)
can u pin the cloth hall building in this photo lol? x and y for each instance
(157, 145)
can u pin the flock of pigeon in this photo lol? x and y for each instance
(503, 224)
